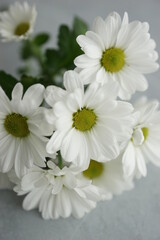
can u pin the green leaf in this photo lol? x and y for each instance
(79, 26)
(7, 82)
(26, 51)
(41, 39)
(55, 62)
(65, 40)
(28, 81)
(52, 58)
(68, 47)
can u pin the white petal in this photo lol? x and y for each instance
(153, 152)
(99, 26)
(17, 92)
(113, 22)
(79, 206)
(88, 75)
(130, 81)
(65, 203)
(31, 201)
(96, 38)
(60, 109)
(4, 102)
(101, 76)
(53, 94)
(89, 46)
(72, 81)
(138, 137)
(148, 111)
(141, 165)
(7, 158)
(55, 142)
(125, 19)
(19, 164)
(34, 96)
(84, 61)
(69, 181)
(129, 160)
(57, 185)
(29, 180)
(102, 149)
(75, 101)
(74, 148)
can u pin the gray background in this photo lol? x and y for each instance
(135, 215)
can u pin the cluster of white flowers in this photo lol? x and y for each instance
(87, 144)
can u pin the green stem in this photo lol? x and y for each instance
(60, 161)
(38, 55)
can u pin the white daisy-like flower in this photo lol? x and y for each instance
(57, 192)
(89, 124)
(18, 22)
(144, 145)
(108, 177)
(22, 129)
(117, 50)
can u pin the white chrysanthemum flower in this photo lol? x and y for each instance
(145, 142)
(18, 22)
(117, 51)
(22, 129)
(90, 124)
(108, 177)
(57, 192)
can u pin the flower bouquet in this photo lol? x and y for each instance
(68, 135)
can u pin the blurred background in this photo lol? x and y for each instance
(135, 215)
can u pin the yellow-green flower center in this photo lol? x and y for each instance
(145, 132)
(113, 59)
(84, 119)
(22, 28)
(16, 125)
(94, 170)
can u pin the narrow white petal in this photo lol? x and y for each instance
(17, 92)
(4, 102)
(99, 26)
(72, 81)
(19, 163)
(138, 137)
(84, 61)
(34, 96)
(129, 160)
(57, 186)
(88, 75)
(141, 165)
(65, 203)
(53, 94)
(89, 46)
(55, 142)
(31, 201)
